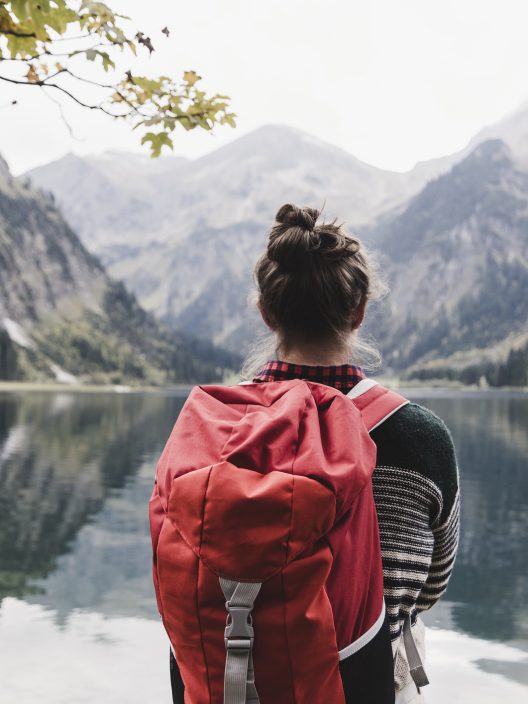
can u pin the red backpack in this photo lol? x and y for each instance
(263, 517)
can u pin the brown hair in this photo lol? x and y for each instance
(311, 282)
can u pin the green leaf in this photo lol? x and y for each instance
(229, 119)
(160, 105)
(106, 59)
(191, 77)
(157, 141)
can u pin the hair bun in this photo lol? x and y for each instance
(294, 216)
(295, 241)
(294, 238)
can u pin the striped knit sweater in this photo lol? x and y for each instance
(417, 498)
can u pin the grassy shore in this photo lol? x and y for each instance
(92, 388)
(405, 386)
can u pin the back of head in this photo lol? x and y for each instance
(313, 279)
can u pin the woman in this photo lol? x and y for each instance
(313, 284)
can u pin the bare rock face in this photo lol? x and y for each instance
(155, 224)
(63, 318)
(184, 235)
(140, 201)
(457, 259)
(4, 168)
(45, 266)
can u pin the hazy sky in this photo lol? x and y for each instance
(391, 81)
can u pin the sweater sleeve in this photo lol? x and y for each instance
(417, 444)
(446, 536)
(445, 526)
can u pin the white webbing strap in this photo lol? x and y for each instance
(413, 656)
(239, 676)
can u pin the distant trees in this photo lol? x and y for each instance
(8, 357)
(46, 44)
(513, 371)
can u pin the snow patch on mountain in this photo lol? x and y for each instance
(17, 334)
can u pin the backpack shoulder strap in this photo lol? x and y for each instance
(375, 402)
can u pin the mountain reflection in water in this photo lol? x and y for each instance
(490, 582)
(66, 460)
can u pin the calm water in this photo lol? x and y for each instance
(78, 623)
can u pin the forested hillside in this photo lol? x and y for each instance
(63, 318)
(457, 260)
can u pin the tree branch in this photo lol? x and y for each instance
(46, 52)
(43, 53)
(63, 116)
(70, 39)
(41, 84)
(87, 80)
(22, 35)
(44, 83)
(53, 75)
(109, 87)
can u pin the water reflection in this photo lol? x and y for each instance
(107, 569)
(62, 458)
(490, 582)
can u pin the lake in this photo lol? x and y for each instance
(78, 621)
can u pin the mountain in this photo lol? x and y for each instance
(156, 228)
(457, 262)
(187, 241)
(120, 202)
(512, 130)
(119, 199)
(62, 317)
(111, 200)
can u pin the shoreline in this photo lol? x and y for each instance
(183, 389)
(27, 386)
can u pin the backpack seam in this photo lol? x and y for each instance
(293, 480)
(292, 684)
(199, 560)
(222, 451)
(287, 638)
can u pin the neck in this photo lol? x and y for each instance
(314, 355)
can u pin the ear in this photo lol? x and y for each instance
(360, 314)
(263, 313)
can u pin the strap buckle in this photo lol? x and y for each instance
(419, 677)
(238, 634)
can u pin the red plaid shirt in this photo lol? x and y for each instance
(340, 376)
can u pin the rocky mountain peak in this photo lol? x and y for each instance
(62, 317)
(457, 263)
(489, 157)
(4, 168)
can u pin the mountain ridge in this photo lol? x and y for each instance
(212, 216)
(63, 318)
(457, 262)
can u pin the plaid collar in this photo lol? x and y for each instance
(341, 376)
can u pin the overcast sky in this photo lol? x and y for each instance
(391, 81)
